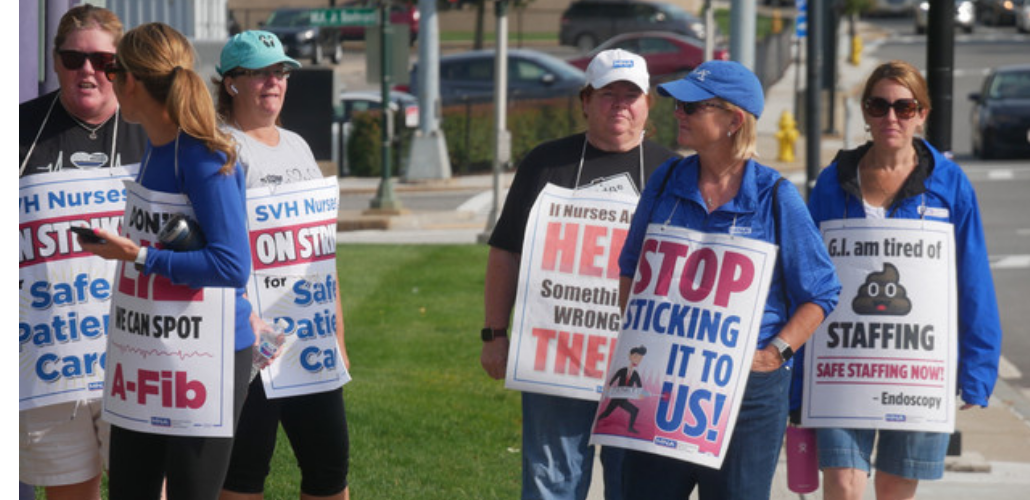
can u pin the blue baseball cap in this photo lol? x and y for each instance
(728, 80)
(253, 49)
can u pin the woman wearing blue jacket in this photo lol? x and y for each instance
(723, 190)
(897, 175)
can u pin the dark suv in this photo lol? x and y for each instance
(587, 23)
(301, 39)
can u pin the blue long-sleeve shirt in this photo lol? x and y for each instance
(219, 204)
(937, 190)
(806, 273)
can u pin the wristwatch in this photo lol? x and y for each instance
(786, 352)
(141, 258)
(488, 334)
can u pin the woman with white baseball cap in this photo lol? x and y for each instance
(557, 461)
(254, 73)
(722, 189)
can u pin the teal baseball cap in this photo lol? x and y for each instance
(253, 49)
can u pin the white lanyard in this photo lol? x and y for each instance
(583, 153)
(46, 119)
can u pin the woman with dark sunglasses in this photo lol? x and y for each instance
(714, 199)
(898, 176)
(62, 134)
(177, 313)
(78, 126)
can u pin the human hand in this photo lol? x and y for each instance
(494, 357)
(766, 360)
(111, 246)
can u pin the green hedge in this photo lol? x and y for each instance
(469, 131)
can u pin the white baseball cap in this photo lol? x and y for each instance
(618, 65)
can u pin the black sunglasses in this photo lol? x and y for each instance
(73, 59)
(690, 108)
(281, 73)
(111, 70)
(878, 107)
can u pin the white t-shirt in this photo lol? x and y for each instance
(289, 161)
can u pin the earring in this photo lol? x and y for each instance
(236, 91)
(729, 133)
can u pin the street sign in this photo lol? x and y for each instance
(365, 16)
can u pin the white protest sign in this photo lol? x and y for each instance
(170, 351)
(689, 334)
(293, 247)
(885, 358)
(566, 313)
(64, 291)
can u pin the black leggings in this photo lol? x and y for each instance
(316, 425)
(194, 466)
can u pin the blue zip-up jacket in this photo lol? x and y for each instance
(219, 203)
(938, 188)
(804, 273)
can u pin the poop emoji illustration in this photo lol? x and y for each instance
(882, 294)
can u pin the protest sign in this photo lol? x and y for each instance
(566, 314)
(170, 351)
(689, 334)
(64, 291)
(885, 358)
(293, 247)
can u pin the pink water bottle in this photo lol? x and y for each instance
(802, 460)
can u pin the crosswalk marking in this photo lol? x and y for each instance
(1012, 262)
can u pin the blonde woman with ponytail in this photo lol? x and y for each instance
(189, 159)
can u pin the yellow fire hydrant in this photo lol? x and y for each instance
(856, 50)
(787, 135)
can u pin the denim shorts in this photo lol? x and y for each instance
(911, 455)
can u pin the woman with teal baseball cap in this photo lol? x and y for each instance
(254, 75)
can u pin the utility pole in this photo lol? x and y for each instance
(940, 65)
(813, 87)
(742, 32)
(502, 139)
(428, 157)
(384, 199)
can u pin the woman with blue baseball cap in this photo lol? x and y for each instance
(722, 190)
(254, 75)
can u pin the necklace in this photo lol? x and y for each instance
(92, 130)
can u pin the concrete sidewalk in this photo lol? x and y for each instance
(995, 458)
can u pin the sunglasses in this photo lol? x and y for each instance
(689, 108)
(280, 73)
(111, 71)
(73, 59)
(878, 107)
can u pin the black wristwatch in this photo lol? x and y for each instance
(786, 352)
(488, 334)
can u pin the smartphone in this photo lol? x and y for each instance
(87, 235)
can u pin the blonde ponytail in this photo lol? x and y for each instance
(162, 59)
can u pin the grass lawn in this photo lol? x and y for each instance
(425, 421)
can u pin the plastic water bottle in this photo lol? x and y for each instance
(269, 342)
(802, 460)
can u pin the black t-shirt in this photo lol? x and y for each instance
(556, 162)
(64, 144)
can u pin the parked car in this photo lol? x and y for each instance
(403, 108)
(998, 12)
(667, 54)
(1023, 18)
(469, 76)
(1000, 116)
(586, 23)
(965, 15)
(404, 13)
(891, 7)
(303, 40)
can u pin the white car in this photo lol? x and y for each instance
(1023, 18)
(965, 16)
